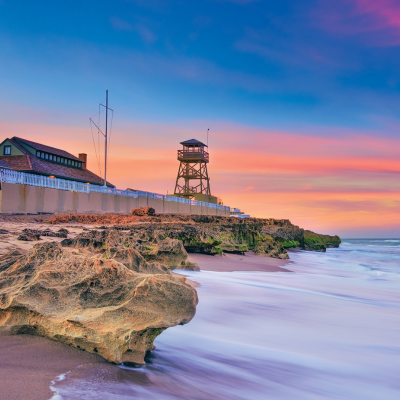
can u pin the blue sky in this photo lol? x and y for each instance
(254, 62)
(311, 85)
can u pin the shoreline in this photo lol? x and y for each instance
(37, 361)
(249, 262)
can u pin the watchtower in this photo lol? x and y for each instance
(192, 179)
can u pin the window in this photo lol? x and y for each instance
(7, 150)
(79, 165)
(58, 159)
(42, 155)
(69, 162)
(62, 160)
(65, 161)
(46, 156)
(50, 157)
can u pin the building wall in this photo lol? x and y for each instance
(24, 199)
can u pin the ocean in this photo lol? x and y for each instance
(329, 330)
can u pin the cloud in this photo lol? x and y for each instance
(248, 188)
(146, 34)
(376, 22)
(120, 25)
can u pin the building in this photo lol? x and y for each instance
(235, 212)
(26, 156)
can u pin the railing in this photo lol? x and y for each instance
(10, 176)
(22, 178)
(193, 155)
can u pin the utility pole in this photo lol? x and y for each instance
(105, 154)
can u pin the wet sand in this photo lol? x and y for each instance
(234, 262)
(28, 364)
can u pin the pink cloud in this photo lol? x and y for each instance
(377, 21)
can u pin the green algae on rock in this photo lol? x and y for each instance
(317, 242)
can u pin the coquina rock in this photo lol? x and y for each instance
(112, 303)
(167, 241)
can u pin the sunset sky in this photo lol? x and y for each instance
(301, 98)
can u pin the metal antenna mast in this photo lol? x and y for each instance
(105, 136)
(207, 136)
(105, 153)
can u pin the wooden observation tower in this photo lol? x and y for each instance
(192, 180)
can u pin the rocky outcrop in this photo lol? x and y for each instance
(167, 239)
(34, 234)
(207, 234)
(216, 235)
(152, 247)
(112, 303)
(317, 242)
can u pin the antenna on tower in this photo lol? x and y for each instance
(207, 135)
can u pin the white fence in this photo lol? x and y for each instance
(22, 178)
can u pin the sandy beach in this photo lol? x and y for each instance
(234, 262)
(28, 364)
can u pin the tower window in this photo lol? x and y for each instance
(46, 156)
(58, 159)
(50, 157)
(7, 150)
(42, 155)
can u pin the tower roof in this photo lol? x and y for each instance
(193, 142)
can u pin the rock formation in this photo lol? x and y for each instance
(317, 242)
(206, 234)
(111, 302)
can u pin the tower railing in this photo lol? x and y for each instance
(200, 155)
(22, 178)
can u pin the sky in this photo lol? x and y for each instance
(301, 98)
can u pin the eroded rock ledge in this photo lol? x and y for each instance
(112, 302)
(167, 238)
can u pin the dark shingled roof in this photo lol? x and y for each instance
(193, 142)
(3, 164)
(47, 149)
(32, 164)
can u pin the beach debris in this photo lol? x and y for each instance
(144, 211)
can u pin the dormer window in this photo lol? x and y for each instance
(7, 150)
(50, 157)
